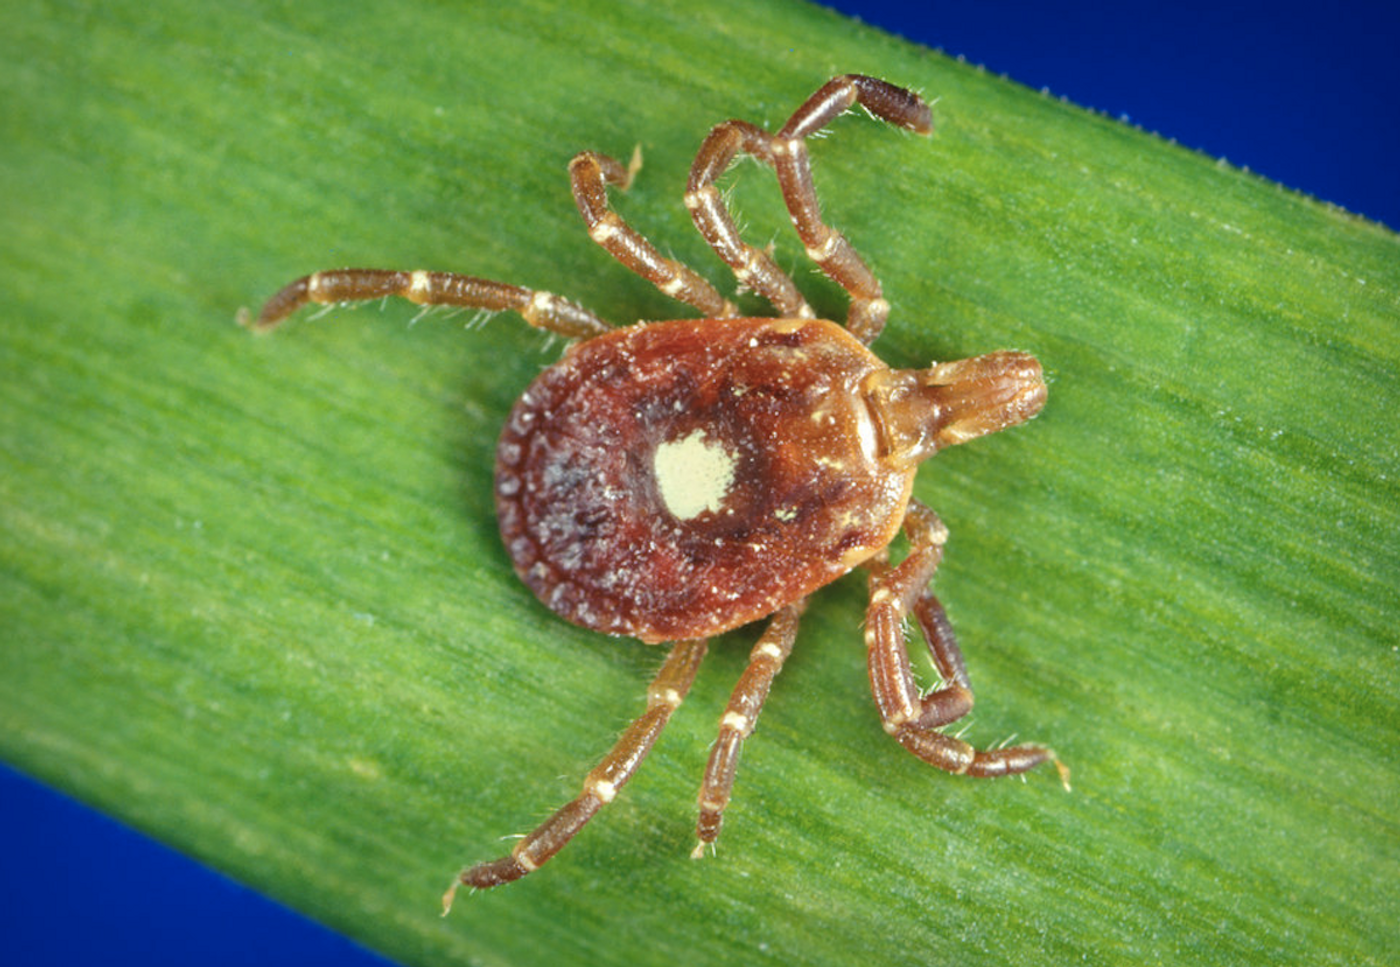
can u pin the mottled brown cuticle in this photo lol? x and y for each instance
(583, 495)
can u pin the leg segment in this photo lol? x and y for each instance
(557, 315)
(786, 153)
(590, 174)
(913, 719)
(826, 246)
(601, 785)
(753, 267)
(740, 716)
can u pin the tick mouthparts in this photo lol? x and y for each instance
(984, 394)
(920, 411)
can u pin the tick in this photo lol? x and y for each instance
(670, 481)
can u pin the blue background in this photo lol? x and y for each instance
(1305, 98)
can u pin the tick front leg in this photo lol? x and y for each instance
(541, 309)
(913, 719)
(590, 174)
(664, 696)
(740, 717)
(753, 267)
(826, 246)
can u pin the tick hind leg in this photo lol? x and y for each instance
(541, 309)
(740, 716)
(912, 718)
(786, 153)
(664, 696)
(590, 174)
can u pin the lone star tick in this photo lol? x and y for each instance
(674, 480)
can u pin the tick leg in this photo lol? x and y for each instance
(912, 718)
(753, 267)
(740, 716)
(826, 246)
(786, 154)
(590, 174)
(601, 785)
(953, 699)
(541, 309)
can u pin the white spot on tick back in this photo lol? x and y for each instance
(693, 474)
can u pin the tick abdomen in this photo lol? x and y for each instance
(675, 480)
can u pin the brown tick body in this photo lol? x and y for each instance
(677, 480)
(671, 481)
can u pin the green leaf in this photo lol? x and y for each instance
(255, 604)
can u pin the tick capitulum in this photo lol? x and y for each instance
(674, 480)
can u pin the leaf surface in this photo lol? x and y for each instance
(256, 605)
